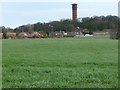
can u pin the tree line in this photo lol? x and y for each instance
(92, 24)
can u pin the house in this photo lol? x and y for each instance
(23, 35)
(10, 35)
(1, 35)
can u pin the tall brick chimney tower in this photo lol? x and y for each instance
(74, 12)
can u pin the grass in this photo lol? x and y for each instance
(0, 64)
(60, 63)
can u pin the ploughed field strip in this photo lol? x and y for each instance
(60, 63)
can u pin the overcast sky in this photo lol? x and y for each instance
(15, 13)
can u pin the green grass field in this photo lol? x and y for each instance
(60, 63)
(1, 64)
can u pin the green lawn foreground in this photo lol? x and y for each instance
(60, 63)
(0, 64)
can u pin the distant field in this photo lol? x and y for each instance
(60, 63)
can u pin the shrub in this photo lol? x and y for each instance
(45, 35)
